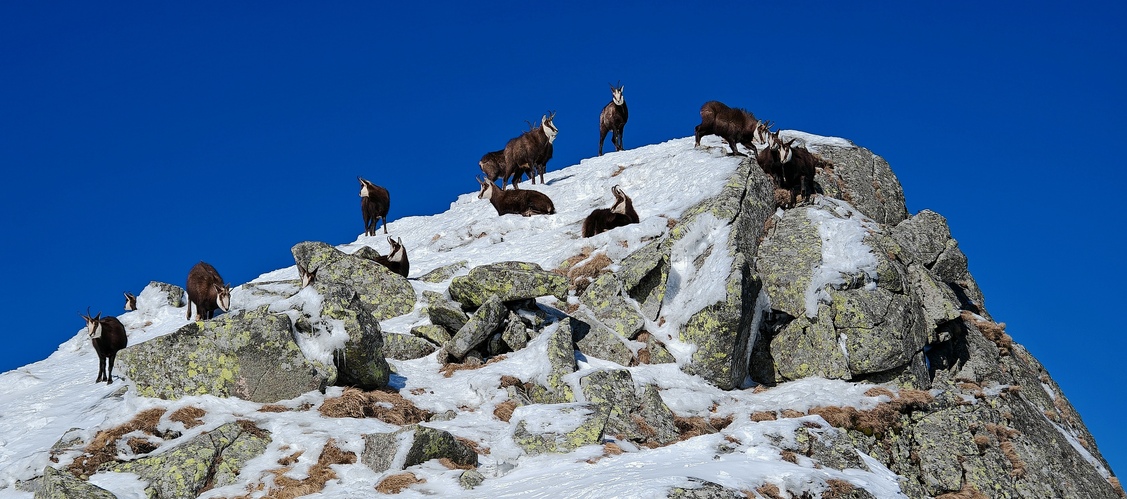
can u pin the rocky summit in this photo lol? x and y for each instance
(724, 346)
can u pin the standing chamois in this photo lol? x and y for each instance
(733, 125)
(374, 203)
(207, 291)
(396, 260)
(531, 150)
(108, 336)
(797, 175)
(521, 202)
(603, 219)
(613, 119)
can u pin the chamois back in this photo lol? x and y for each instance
(732, 124)
(521, 202)
(619, 214)
(206, 291)
(396, 260)
(531, 150)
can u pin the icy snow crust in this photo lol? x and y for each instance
(41, 402)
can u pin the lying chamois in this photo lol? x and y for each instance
(207, 291)
(521, 202)
(396, 260)
(613, 119)
(130, 302)
(603, 219)
(531, 150)
(733, 125)
(108, 336)
(374, 203)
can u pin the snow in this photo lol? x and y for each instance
(43, 401)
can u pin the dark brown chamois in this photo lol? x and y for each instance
(374, 203)
(531, 151)
(521, 202)
(108, 336)
(797, 175)
(207, 291)
(396, 260)
(130, 302)
(493, 166)
(619, 214)
(613, 119)
(732, 124)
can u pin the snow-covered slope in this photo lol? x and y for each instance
(41, 402)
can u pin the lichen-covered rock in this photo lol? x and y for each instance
(613, 390)
(163, 294)
(596, 340)
(361, 363)
(786, 261)
(443, 313)
(340, 275)
(561, 356)
(606, 301)
(412, 445)
(557, 428)
(251, 356)
(660, 425)
(861, 178)
(939, 303)
(210, 460)
(880, 330)
(444, 273)
(406, 346)
(515, 334)
(481, 324)
(435, 335)
(60, 484)
(510, 281)
(470, 479)
(703, 489)
(806, 348)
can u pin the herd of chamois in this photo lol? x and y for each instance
(791, 168)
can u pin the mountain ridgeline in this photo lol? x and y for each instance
(673, 330)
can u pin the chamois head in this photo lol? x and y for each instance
(366, 188)
(306, 276)
(487, 188)
(398, 253)
(93, 324)
(616, 94)
(549, 128)
(130, 302)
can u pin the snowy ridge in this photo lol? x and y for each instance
(41, 402)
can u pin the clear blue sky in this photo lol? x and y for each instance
(137, 138)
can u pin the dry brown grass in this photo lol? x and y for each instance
(696, 426)
(395, 484)
(504, 410)
(993, 331)
(319, 474)
(789, 456)
(770, 491)
(763, 416)
(190, 416)
(273, 408)
(880, 391)
(582, 269)
(837, 489)
(880, 420)
(967, 492)
(356, 403)
(450, 368)
(103, 448)
(1114, 481)
(791, 414)
(141, 446)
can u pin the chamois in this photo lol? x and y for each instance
(207, 291)
(130, 302)
(733, 125)
(521, 202)
(108, 336)
(798, 173)
(374, 203)
(531, 150)
(396, 260)
(619, 214)
(613, 119)
(493, 166)
(305, 275)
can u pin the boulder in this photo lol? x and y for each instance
(361, 362)
(557, 428)
(61, 484)
(412, 445)
(561, 356)
(406, 346)
(510, 281)
(442, 312)
(210, 460)
(481, 324)
(251, 356)
(340, 275)
(861, 178)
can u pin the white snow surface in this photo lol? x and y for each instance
(46, 401)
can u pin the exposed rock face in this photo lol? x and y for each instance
(413, 445)
(251, 356)
(509, 281)
(339, 274)
(59, 484)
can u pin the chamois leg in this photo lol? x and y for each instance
(109, 368)
(603, 137)
(735, 152)
(618, 141)
(698, 134)
(384, 219)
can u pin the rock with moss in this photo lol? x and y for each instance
(163, 294)
(654, 419)
(515, 333)
(251, 356)
(361, 362)
(406, 346)
(557, 428)
(879, 330)
(470, 479)
(510, 281)
(806, 348)
(60, 484)
(561, 356)
(614, 392)
(340, 275)
(786, 261)
(703, 489)
(488, 317)
(207, 461)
